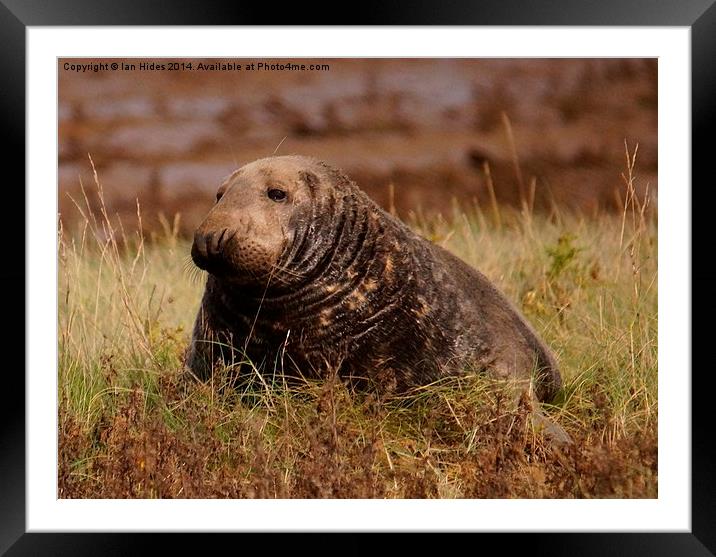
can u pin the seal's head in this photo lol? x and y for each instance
(261, 209)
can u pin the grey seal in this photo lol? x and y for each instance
(308, 276)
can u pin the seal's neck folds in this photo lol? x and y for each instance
(339, 255)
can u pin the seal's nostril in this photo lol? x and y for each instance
(216, 242)
(209, 246)
(222, 237)
(211, 243)
(199, 246)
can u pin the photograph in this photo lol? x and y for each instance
(357, 278)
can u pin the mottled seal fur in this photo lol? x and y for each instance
(307, 275)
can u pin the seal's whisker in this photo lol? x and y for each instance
(258, 310)
(194, 273)
(279, 144)
(276, 269)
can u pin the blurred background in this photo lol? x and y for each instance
(416, 134)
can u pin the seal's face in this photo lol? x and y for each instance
(253, 222)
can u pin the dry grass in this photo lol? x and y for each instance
(131, 425)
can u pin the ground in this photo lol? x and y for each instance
(132, 425)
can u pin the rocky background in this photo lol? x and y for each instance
(415, 134)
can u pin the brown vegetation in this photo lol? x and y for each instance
(335, 444)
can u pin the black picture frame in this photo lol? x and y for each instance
(17, 15)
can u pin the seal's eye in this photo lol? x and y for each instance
(219, 195)
(276, 194)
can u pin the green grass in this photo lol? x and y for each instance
(132, 425)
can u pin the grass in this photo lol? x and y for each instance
(132, 425)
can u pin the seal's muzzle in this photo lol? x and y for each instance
(208, 250)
